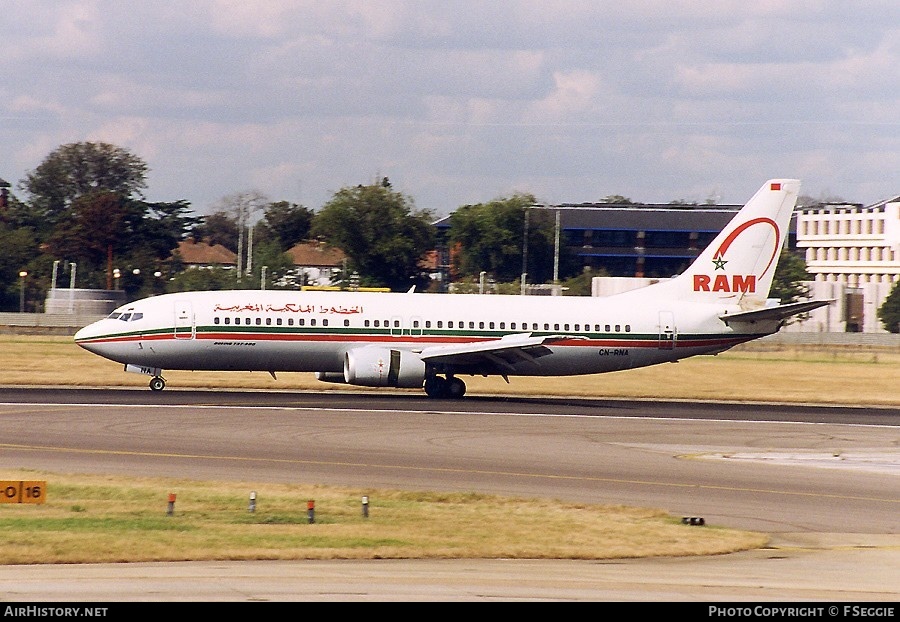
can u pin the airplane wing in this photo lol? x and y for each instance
(779, 312)
(501, 353)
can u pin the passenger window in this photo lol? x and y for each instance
(268, 321)
(259, 321)
(628, 328)
(440, 324)
(377, 323)
(450, 324)
(324, 322)
(471, 324)
(366, 323)
(228, 320)
(247, 321)
(346, 322)
(312, 322)
(502, 325)
(480, 324)
(618, 328)
(216, 320)
(291, 321)
(607, 328)
(578, 328)
(278, 321)
(396, 323)
(512, 326)
(556, 327)
(565, 327)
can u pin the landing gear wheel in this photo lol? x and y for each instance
(157, 384)
(456, 388)
(435, 387)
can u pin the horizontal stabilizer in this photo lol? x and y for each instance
(774, 313)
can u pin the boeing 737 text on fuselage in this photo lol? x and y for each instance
(430, 341)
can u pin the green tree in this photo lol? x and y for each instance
(490, 237)
(201, 279)
(889, 311)
(384, 236)
(96, 230)
(19, 248)
(217, 228)
(788, 281)
(162, 225)
(285, 223)
(75, 170)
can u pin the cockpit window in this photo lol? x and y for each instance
(114, 315)
(136, 316)
(125, 317)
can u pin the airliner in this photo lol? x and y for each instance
(428, 341)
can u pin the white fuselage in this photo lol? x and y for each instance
(312, 331)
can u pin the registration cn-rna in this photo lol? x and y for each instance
(432, 341)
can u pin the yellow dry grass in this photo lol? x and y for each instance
(90, 518)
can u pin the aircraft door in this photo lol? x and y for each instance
(667, 331)
(184, 320)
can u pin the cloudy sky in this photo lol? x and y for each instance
(462, 101)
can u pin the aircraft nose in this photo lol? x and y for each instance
(84, 336)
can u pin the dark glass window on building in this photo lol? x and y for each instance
(667, 239)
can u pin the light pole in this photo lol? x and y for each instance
(116, 275)
(524, 252)
(72, 267)
(22, 276)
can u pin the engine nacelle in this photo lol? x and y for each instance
(383, 367)
(331, 376)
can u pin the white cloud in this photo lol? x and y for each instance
(460, 102)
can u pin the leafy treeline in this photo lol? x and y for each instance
(83, 209)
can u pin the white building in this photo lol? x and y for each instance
(854, 254)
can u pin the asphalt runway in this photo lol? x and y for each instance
(823, 481)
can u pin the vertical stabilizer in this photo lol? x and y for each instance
(737, 267)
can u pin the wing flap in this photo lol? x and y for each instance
(502, 353)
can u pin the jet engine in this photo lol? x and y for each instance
(383, 367)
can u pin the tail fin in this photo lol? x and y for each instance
(737, 267)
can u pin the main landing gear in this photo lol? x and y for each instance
(157, 383)
(450, 387)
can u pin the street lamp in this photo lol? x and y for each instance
(116, 275)
(22, 276)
